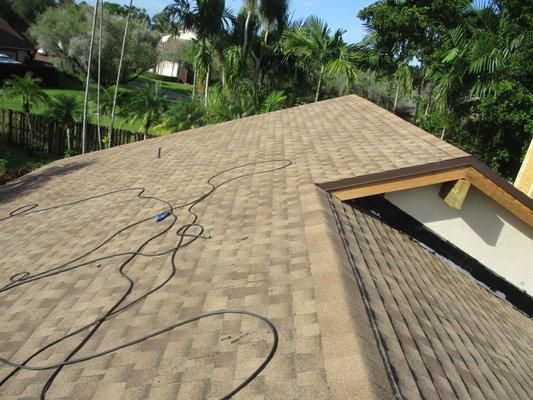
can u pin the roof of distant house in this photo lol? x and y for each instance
(10, 39)
(362, 311)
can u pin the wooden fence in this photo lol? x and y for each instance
(51, 137)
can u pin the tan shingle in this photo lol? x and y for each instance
(274, 249)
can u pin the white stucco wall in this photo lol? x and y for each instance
(481, 228)
(166, 68)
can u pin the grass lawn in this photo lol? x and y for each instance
(177, 87)
(72, 87)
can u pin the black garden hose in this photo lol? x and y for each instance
(185, 239)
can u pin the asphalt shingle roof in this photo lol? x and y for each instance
(445, 337)
(274, 249)
(10, 39)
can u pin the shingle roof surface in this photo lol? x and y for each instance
(275, 249)
(445, 336)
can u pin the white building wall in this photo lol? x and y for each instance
(481, 228)
(166, 68)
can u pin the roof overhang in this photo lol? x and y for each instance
(468, 168)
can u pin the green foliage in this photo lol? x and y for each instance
(247, 99)
(65, 31)
(105, 142)
(313, 41)
(183, 115)
(146, 104)
(474, 73)
(65, 109)
(3, 166)
(22, 13)
(28, 88)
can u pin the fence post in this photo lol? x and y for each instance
(9, 126)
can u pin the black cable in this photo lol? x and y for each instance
(120, 306)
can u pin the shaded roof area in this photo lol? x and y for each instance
(269, 244)
(442, 335)
(10, 39)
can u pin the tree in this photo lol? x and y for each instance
(313, 41)
(183, 115)
(146, 104)
(273, 13)
(65, 31)
(208, 19)
(203, 59)
(29, 89)
(404, 82)
(22, 13)
(250, 7)
(66, 110)
(248, 99)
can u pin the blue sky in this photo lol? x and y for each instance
(337, 13)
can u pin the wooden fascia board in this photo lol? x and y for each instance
(400, 184)
(500, 196)
(481, 176)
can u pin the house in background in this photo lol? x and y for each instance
(13, 44)
(170, 64)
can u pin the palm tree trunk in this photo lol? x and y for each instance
(87, 80)
(68, 139)
(396, 98)
(206, 95)
(266, 34)
(110, 134)
(194, 81)
(98, 110)
(319, 85)
(246, 27)
(443, 132)
(389, 95)
(30, 130)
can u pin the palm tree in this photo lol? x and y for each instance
(404, 82)
(29, 89)
(203, 59)
(65, 110)
(208, 19)
(273, 12)
(313, 42)
(119, 71)
(146, 104)
(250, 7)
(88, 78)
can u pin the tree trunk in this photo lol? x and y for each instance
(246, 27)
(145, 132)
(110, 134)
(68, 139)
(266, 34)
(396, 99)
(418, 98)
(175, 56)
(30, 130)
(194, 82)
(98, 106)
(419, 90)
(206, 95)
(319, 85)
(443, 132)
(389, 95)
(87, 80)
